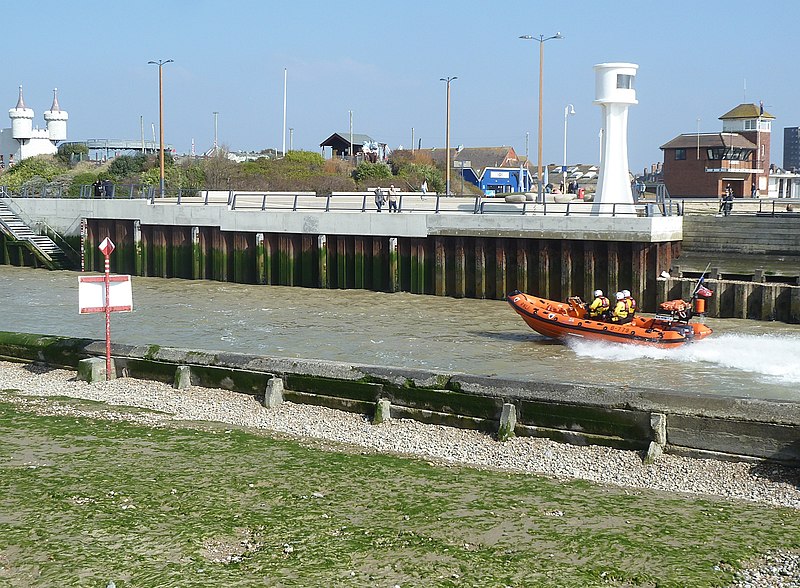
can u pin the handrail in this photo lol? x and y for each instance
(361, 201)
(10, 232)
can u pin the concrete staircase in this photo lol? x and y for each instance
(42, 246)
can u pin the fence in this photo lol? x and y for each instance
(410, 202)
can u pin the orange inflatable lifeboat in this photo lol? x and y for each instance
(669, 328)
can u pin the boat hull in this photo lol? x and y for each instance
(563, 321)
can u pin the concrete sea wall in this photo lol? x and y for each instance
(633, 418)
(456, 254)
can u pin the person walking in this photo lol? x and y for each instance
(424, 188)
(393, 199)
(379, 198)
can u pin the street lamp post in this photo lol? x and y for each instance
(447, 133)
(160, 63)
(541, 39)
(568, 109)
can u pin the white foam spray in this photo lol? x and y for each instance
(775, 358)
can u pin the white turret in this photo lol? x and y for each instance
(56, 120)
(614, 93)
(21, 120)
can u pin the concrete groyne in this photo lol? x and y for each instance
(626, 417)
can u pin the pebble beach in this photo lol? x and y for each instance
(769, 484)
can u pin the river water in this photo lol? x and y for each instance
(741, 358)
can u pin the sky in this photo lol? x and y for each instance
(383, 62)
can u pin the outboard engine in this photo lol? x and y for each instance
(685, 330)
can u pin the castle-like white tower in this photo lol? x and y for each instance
(56, 120)
(23, 140)
(614, 93)
(21, 119)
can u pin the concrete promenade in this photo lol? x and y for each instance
(356, 215)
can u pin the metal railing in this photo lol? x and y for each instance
(573, 208)
(407, 202)
(789, 206)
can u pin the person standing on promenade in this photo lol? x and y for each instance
(727, 201)
(393, 199)
(379, 198)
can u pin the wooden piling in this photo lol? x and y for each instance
(480, 267)
(543, 272)
(565, 285)
(394, 265)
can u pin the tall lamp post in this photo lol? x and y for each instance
(568, 109)
(541, 39)
(160, 63)
(447, 133)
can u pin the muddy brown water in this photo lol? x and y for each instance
(742, 358)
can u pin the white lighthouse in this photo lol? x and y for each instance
(614, 93)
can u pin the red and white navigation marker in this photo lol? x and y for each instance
(108, 300)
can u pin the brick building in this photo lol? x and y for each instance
(702, 164)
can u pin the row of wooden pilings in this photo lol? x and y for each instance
(471, 267)
(468, 266)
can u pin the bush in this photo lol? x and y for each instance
(371, 171)
(78, 180)
(309, 158)
(42, 167)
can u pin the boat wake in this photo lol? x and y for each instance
(772, 357)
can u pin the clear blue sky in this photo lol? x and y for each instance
(383, 60)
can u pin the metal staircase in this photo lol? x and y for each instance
(42, 246)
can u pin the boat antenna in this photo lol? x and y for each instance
(700, 281)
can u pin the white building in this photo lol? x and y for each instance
(23, 140)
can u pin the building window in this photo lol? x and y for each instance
(729, 153)
(680, 154)
(624, 82)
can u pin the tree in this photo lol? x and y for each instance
(72, 152)
(127, 165)
(219, 171)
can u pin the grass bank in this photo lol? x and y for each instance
(87, 500)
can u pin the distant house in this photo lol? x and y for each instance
(364, 147)
(494, 170)
(703, 164)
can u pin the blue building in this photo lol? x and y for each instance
(495, 170)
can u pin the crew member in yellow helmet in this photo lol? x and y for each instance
(598, 309)
(620, 313)
(631, 302)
